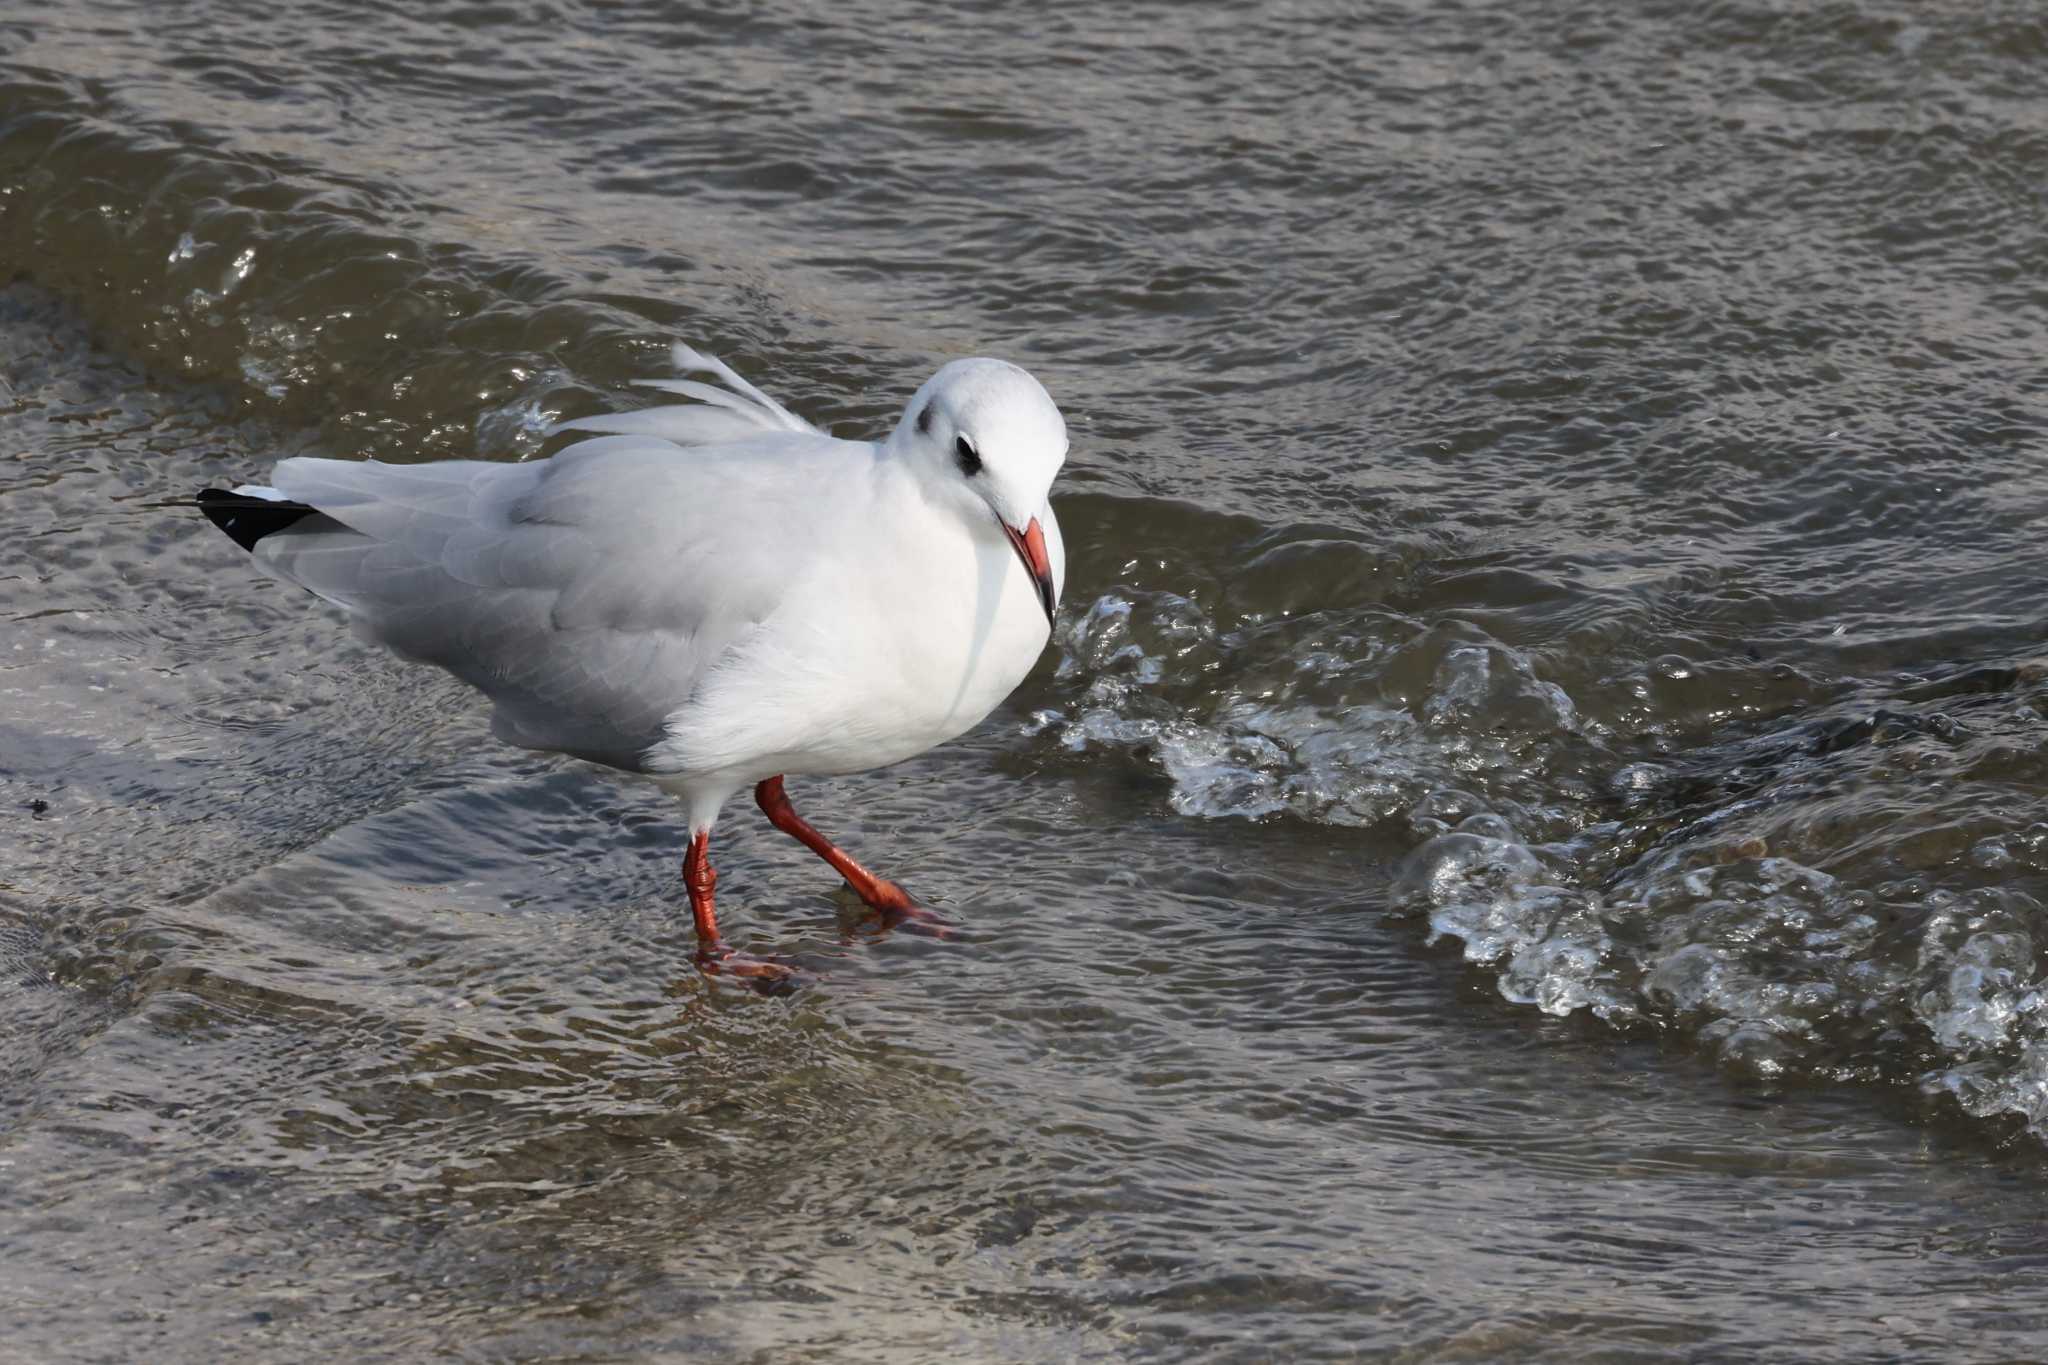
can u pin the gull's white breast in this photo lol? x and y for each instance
(904, 633)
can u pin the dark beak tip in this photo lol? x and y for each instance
(1041, 579)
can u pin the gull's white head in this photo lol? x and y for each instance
(985, 431)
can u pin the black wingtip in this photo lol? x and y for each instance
(246, 520)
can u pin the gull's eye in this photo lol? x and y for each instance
(963, 451)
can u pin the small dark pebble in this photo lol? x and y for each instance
(260, 1318)
(38, 806)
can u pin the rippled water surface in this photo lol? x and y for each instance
(1529, 844)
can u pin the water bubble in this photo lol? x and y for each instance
(1993, 854)
(238, 270)
(1493, 686)
(1987, 985)
(519, 426)
(1638, 777)
(1488, 826)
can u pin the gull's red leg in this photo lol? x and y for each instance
(702, 880)
(885, 897)
(716, 957)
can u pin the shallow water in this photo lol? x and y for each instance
(1529, 844)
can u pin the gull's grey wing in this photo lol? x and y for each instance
(584, 595)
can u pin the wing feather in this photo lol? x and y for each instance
(683, 425)
(733, 413)
(586, 595)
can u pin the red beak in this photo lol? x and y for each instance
(1030, 546)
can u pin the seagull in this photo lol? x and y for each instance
(712, 595)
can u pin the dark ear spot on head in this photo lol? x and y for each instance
(924, 419)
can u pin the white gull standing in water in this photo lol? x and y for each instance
(770, 601)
